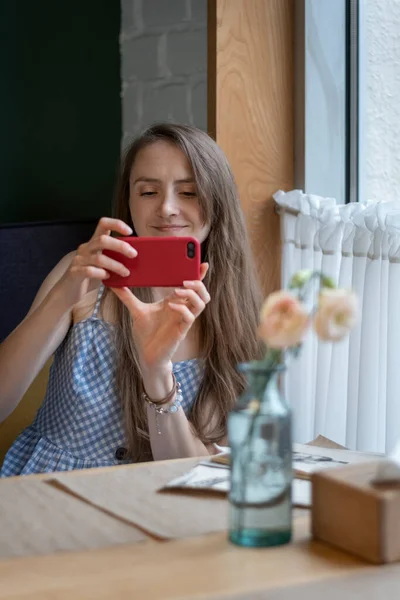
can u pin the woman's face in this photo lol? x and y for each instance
(162, 194)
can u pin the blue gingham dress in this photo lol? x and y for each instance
(80, 423)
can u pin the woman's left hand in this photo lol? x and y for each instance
(159, 327)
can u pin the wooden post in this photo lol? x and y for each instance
(251, 112)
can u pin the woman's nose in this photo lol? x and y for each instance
(169, 205)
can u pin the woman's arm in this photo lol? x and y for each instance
(159, 328)
(30, 345)
(178, 438)
(25, 351)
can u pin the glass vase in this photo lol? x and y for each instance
(259, 432)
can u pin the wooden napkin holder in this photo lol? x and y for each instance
(355, 515)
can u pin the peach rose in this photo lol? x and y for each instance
(336, 314)
(283, 320)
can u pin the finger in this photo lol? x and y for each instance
(195, 303)
(199, 288)
(105, 262)
(107, 224)
(187, 316)
(106, 242)
(133, 304)
(81, 266)
(88, 271)
(203, 270)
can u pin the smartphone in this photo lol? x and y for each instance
(161, 262)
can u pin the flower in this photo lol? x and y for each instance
(283, 320)
(336, 314)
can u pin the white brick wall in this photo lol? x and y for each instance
(163, 63)
(380, 108)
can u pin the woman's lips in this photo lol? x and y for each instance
(170, 227)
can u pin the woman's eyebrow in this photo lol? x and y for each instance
(146, 180)
(153, 180)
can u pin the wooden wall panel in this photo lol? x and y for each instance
(251, 106)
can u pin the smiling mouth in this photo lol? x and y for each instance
(169, 227)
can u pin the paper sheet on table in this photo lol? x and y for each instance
(307, 458)
(133, 494)
(207, 477)
(312, 457)
(38, 519)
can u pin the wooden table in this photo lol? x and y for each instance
(202, 567)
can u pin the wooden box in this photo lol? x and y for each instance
(350, 512)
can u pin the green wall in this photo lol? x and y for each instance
(60, 108)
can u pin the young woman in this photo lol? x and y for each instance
(118, 354)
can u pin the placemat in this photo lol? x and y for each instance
(36, 518)
(131, 494)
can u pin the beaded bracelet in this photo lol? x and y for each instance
(157, 406)
(167, 398)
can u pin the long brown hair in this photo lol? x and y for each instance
(229, 322)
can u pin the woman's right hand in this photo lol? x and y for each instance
(90, 263)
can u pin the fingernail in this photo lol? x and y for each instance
(126, 272)
(128, 229)
(132, 252)
(188, 283)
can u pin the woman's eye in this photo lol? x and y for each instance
(148, 193)
(189, 194)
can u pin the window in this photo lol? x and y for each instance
(348, 148)
(321, 118)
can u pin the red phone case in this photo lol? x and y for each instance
(161, 262)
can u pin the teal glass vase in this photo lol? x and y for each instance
(259, 432)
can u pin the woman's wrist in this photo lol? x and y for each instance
(168, 405)
(158, 382)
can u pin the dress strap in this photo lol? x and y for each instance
(98, 299)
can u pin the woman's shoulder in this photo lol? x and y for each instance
(86, 307)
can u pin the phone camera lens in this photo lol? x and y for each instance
(190, 250)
